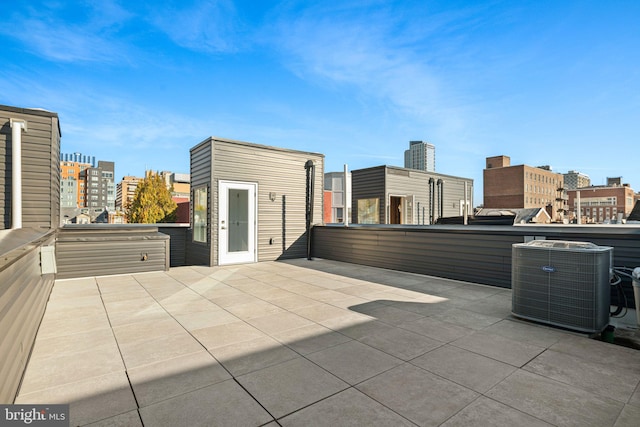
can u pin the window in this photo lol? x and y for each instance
(369, 211)
(200, 217)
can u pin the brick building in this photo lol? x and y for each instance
(601, 204)
(522, 186)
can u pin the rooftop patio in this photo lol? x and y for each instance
(316, 343)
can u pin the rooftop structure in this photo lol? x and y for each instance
(393, 195)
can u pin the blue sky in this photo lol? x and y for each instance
(140, 82)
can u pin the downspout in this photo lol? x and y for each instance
(431, 199)
(347, 196)
(16, 171)
(311, 171)
(464, 212)
(441, 196)
(471, 201)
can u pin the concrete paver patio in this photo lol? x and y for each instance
(302, 343)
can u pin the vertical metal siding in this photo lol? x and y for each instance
(24, 292)
(40, 167)
(177, 241)
(368, 184)
(200, 169)
(278, 171)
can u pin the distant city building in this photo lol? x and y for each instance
(420, 155)
(575, 179)
(178, 183)
(126, 191)
(522, 186)
(71, 166)
(334, 188)
(99, 187)
(602, 203)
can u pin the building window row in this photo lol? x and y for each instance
(597, 201)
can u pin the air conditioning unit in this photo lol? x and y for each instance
(562, 283)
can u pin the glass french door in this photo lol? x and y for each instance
(237, 222)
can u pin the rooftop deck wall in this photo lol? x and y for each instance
(479, 254)
(24, 292)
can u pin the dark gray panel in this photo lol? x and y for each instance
(178, 243)
(367, 184)
(472, 253)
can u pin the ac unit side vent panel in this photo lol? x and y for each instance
(562, 283)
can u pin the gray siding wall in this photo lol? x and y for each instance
(201, 163)
(24, 292)
(93, 250)
(40, 167)
(479, 254)
(368, 184)
(275, 170)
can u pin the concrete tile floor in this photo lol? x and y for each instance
(306, 343)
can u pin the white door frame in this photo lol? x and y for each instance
(237, 257)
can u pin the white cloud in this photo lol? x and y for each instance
(206, 26)
(386, 56)
(68, 33)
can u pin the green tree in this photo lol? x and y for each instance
(152, 202)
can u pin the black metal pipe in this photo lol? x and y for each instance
(441, 196)
(431, 199)
(310, 167)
